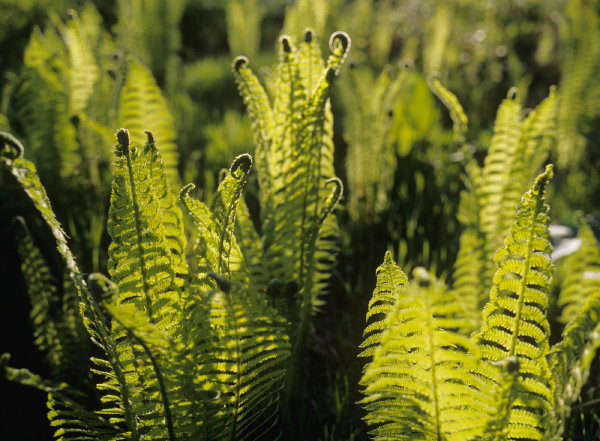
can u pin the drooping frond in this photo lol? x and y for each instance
(571, 359)
(142, 106)
(514, 320)
(41, 289)
(72, 421)
(25, 173)
(583, 278)
(426, 381)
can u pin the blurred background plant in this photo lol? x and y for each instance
(70, 68)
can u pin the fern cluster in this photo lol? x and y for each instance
(428, 380)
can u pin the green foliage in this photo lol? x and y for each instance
(197, 360)
(518, 147)
(149, 30)
(370, 160)
(427, 380)
(583, 278)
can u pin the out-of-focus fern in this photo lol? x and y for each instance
(580, 31)
(141, 105)
(370, 159)
(149, 30)
(583, 277)
(243, 26)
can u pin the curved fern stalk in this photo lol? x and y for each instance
(571, 359)
(142, 105)
(514, 320)
(460, 122)
(25, 173)
(583, 278)
(425, 380)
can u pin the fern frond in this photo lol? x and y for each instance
(425, 381)
(390, 281)
(142, 105)
(583, 278)
(496, 176)
(72, 421)
(370, 161)
(514, 320)
(460, 122)
(138, 263)
(41, 289)
(571, 359)
(11, 154)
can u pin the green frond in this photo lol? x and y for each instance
(172, 218)
(496, 173)
(514, 320)
(140, 261)
(294, 160)
(41, 289)
(583, 278)
(142, 106)
(25, 173)
(216, 248)
(460, 122)
(246, 363)
(370, 161)
(425, 381)
(571, 359)
(390, 282)
(72, 422)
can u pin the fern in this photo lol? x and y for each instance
(199, 359)
(514, 320)
(518, 148)
(294, 160)
(583, 278)
(370, 160)
(425, 379)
